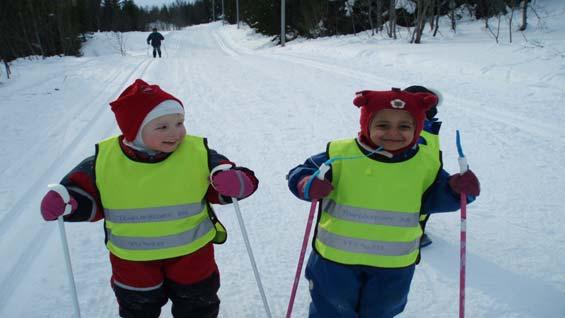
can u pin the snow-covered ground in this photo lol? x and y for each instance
(269, 108)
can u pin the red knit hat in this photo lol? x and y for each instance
(371, 102)
(135, 103)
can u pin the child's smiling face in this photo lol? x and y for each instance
(392, 129)
(164, 133)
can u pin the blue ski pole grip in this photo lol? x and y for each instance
(462, 160)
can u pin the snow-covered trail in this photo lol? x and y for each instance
(25, 239)
(269, 110)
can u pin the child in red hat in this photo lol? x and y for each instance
(154, 186)
(366, 242)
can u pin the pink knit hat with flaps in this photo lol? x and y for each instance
(371, 102)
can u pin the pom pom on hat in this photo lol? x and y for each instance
(134, 103)
(371, 102)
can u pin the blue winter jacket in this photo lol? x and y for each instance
(155, 39)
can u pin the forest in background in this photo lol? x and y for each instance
(59, 27)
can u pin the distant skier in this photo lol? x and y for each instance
(154, 186)
(367, 238)
(155, 39)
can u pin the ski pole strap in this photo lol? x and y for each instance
(64, 193)
(325, 167)
(320, 174)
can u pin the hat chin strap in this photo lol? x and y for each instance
(369, 146)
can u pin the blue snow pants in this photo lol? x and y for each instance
(346, 291)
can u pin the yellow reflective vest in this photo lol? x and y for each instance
(372, 215)
(156, 210)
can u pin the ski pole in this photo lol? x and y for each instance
(463, 167)
(224, 167)
(301, 258)
(320, 173)
(64, 193)
(251, 258)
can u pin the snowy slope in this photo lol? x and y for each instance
(269, 108)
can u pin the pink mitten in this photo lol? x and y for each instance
(233, 183)
(318, 188)
(53, 206)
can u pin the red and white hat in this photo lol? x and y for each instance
(371, 102)
(136, 102)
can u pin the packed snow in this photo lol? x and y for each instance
(269, 108)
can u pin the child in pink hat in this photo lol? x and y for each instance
(367, 238)
(154, 186)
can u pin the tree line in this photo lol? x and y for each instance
(58, 27)
(316, 18)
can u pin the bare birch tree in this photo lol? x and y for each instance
(452, 7)
(421, 9)
(392, 19)
(434, 19)
(524, 8)
(370, 15)
(379, 15)
(512, 8)
(496, 33)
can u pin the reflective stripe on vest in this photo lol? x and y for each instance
(152, 243)
(366, 246)
(157, 214)
(155, 210)
(371, 217)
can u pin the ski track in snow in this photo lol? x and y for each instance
(538, 128)
(207, 71)
(27, 255)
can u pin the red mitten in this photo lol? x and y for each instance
(318, 188)
(465, 183)
(53, 206)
